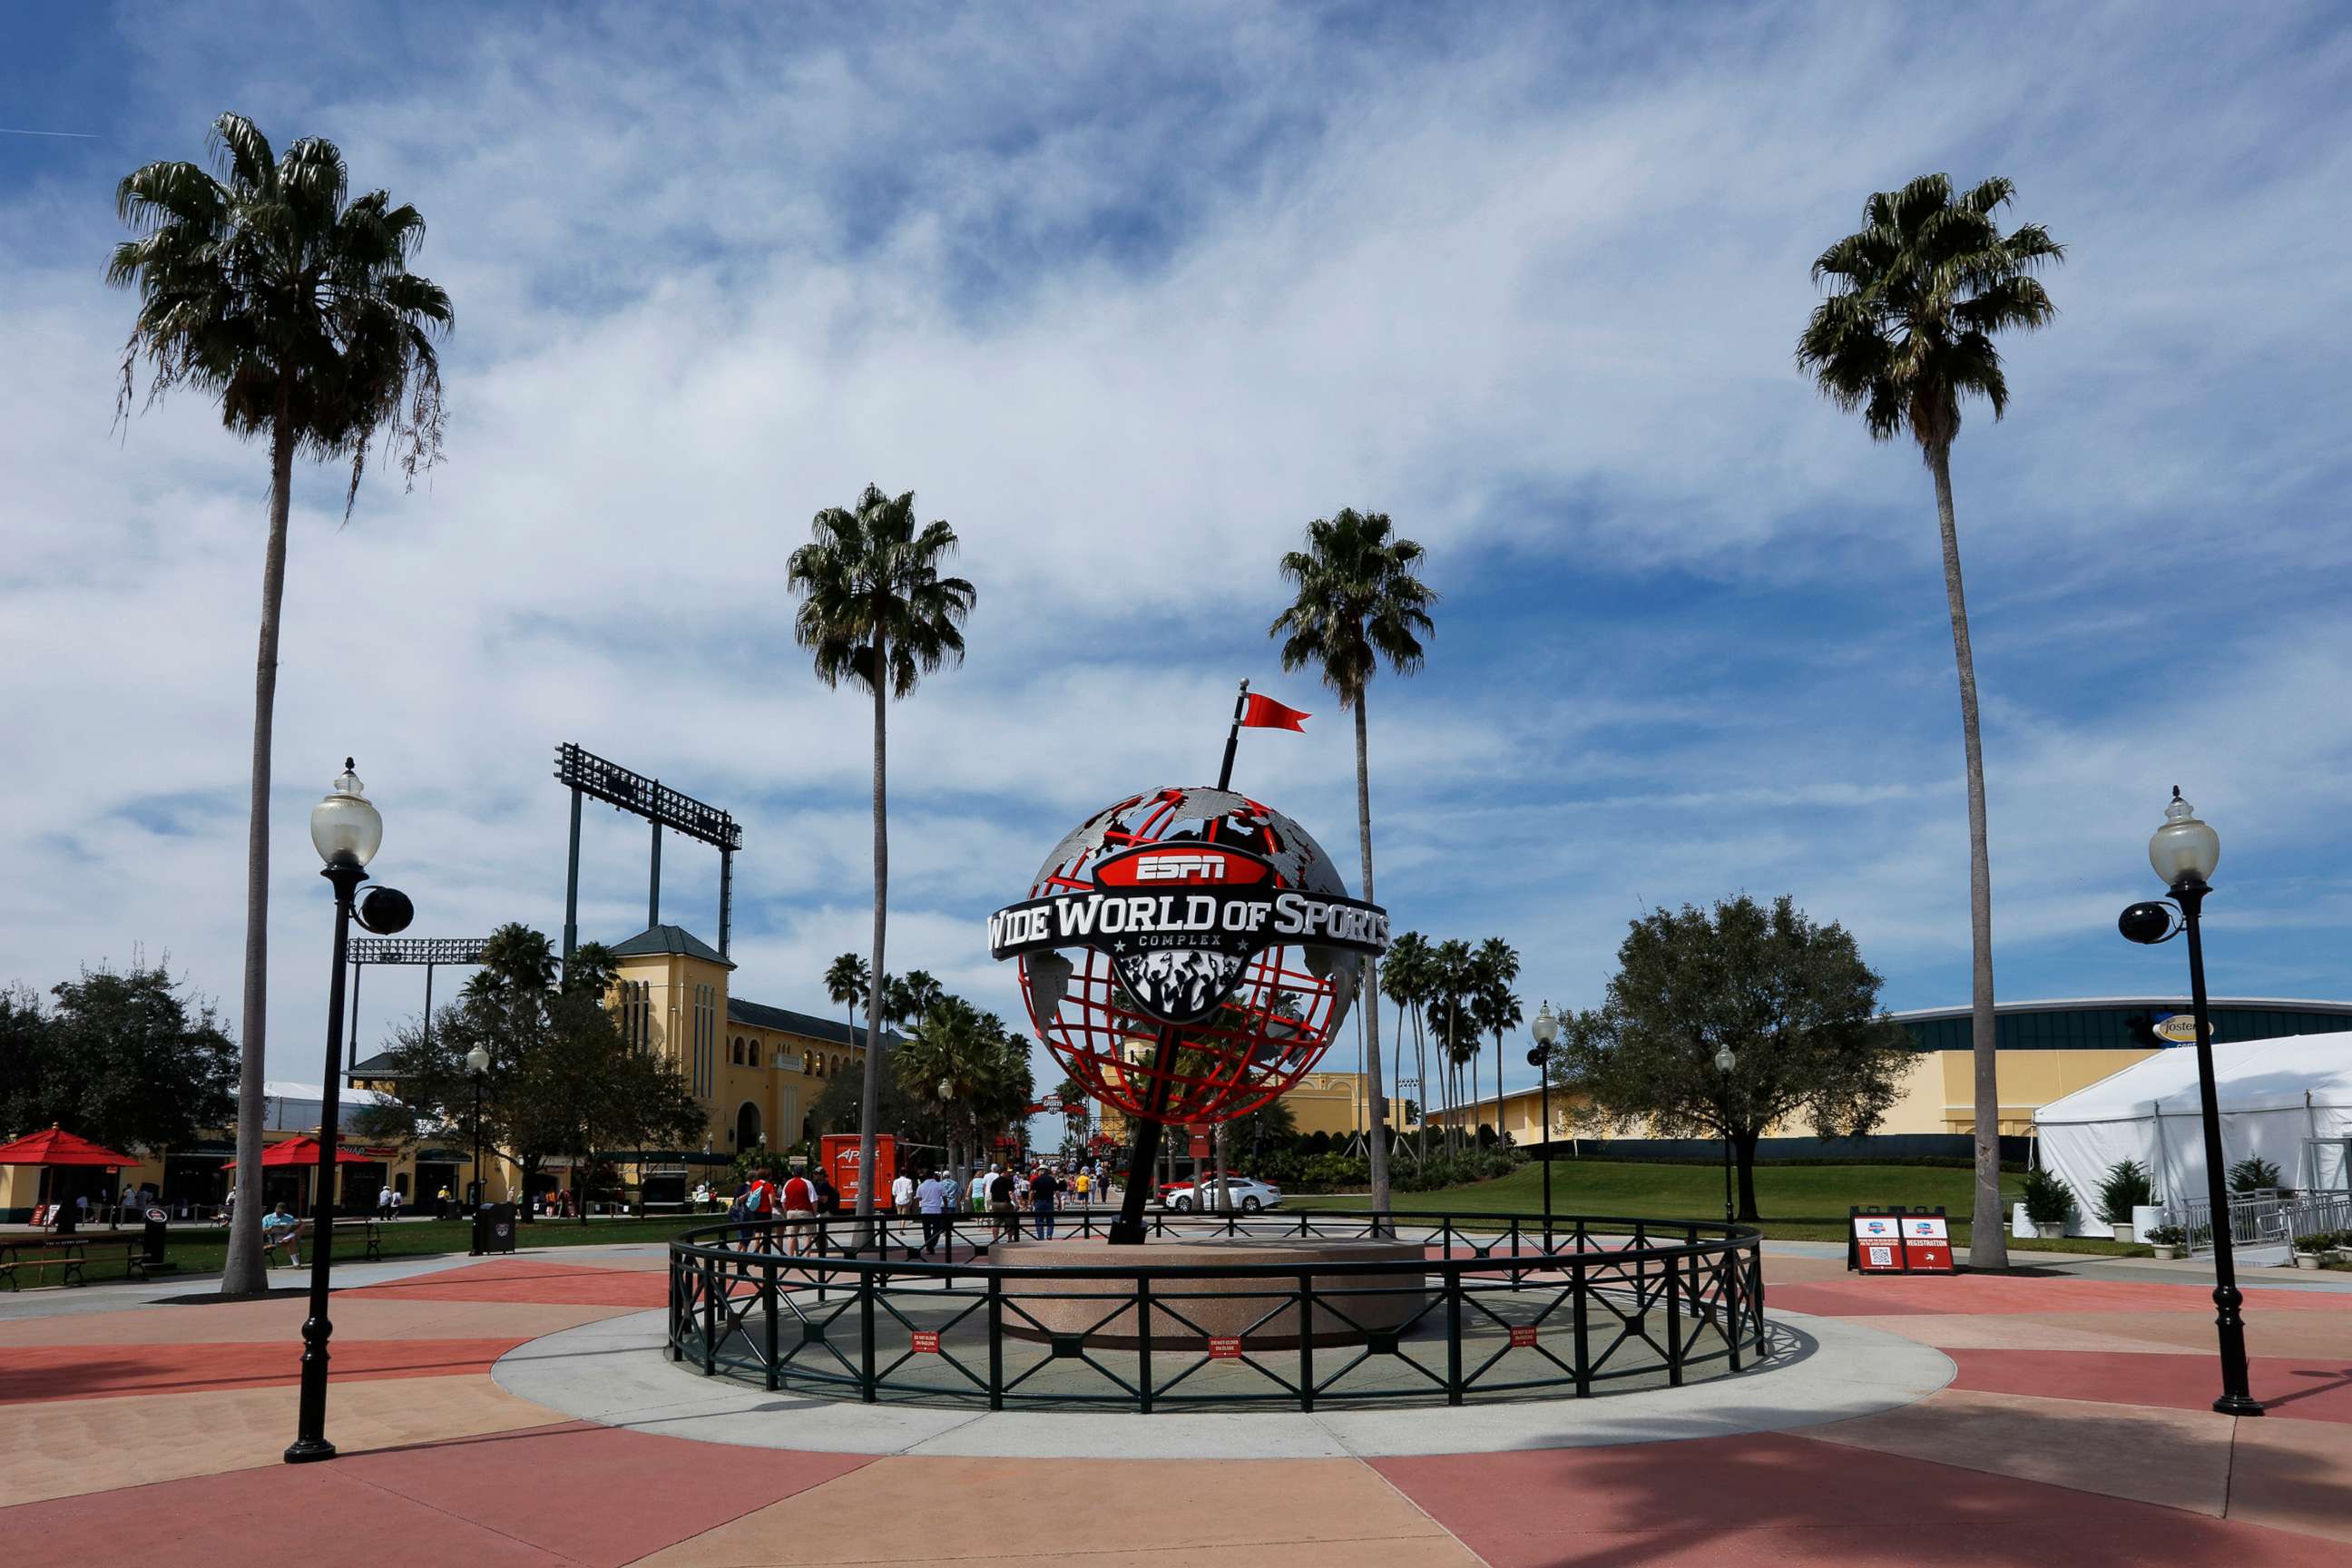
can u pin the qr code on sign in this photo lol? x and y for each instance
(1882, 1257)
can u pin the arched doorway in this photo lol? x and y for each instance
(747, 1127)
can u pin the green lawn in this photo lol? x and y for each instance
(1798, 1203)
(205, 1251)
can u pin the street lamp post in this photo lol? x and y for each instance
(346, 830)
(1724, 1062)
(2184, 852)
(1546, 1029)
(477, 1062)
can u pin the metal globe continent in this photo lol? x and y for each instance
(1286, 1003)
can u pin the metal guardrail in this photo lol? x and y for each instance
(1505, 1308)
(2268, 1219)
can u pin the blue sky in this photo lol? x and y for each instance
(1129, 294)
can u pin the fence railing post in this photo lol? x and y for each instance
(1576, 1308)
(1673, 1323)
(1453, 1336)
(768, 1304)
(711, 1286)
(1143, 1341)
(1306, 1342)
(670, 1320)
(995, 1342)
(1733, 1262)
(865, 1380)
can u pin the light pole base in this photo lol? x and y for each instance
(2238, 1404)
(307, 1450)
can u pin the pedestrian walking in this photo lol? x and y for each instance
(934, 1198)
(1042, 1190)
(798, 1198)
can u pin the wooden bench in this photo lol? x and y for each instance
(366, 1225)
(67, 1254)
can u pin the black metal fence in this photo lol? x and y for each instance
(1496, 1307)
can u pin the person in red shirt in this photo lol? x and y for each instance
(757, 1205)
(799, 1199)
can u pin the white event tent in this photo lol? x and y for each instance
(2279, 1099)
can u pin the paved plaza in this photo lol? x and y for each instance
(515, 1410)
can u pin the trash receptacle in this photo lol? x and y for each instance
(494, 1228)
(151, 1257)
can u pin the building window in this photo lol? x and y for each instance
(738, 1052)
(752, 1053)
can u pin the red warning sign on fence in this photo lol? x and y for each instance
(1523, 1336)
(927, 1340)
(1224, 1347)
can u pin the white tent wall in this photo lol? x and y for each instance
(2275, 1097)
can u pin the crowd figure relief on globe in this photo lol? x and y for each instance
(1201, 919)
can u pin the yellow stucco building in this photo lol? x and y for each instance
(2044, 1051)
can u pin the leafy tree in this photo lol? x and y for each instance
(1358, 601)
(1497, 1006)
(1905, 333)
(1793, 1000)
(264, 287)
(875, 611)
(985, 1065)
(129, 1060)
(587, 1093)
(542, 1044)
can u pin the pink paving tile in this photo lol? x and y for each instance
(1858, 1296)
(2299, 1388)
(280, 1513)
(526, 1279)
(1730, 1501)
(30, 1373)
(597, 1495)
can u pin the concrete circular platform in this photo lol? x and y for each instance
(1250, 1305)
(1818, 1369)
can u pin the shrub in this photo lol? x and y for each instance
(2047, 1199)
(2125, 1187)
(2168, 1235)
(2319, 1241)
(2253, 1175)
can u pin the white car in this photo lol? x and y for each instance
(1249, 1194)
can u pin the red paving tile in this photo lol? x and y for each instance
(1726, 1501)
(311, 1513)
(1897, 1295)
(35, 1372)
(521, 1279)
(2299, 1388)
(597, 1495)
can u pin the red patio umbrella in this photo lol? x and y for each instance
(301, 1150)
(57, 1147)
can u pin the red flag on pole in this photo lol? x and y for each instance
(1265, 713)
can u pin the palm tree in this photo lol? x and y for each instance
(876, 612)
(263, 286)
(1404, 978)
(1450, 983)
(846, 979)
(1906, 332)
(1358, 602)
(1499, 1010)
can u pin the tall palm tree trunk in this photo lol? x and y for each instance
(247, 1270)
(871, 1077)
(1989, 1229)
(1370, 985)
(1421, 1066)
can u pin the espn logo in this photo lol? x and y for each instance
(1181, 868)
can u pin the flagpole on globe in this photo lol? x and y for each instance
(1233, 739)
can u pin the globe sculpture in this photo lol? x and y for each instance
(1208, 960)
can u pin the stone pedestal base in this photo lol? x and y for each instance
(1262, 1312)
